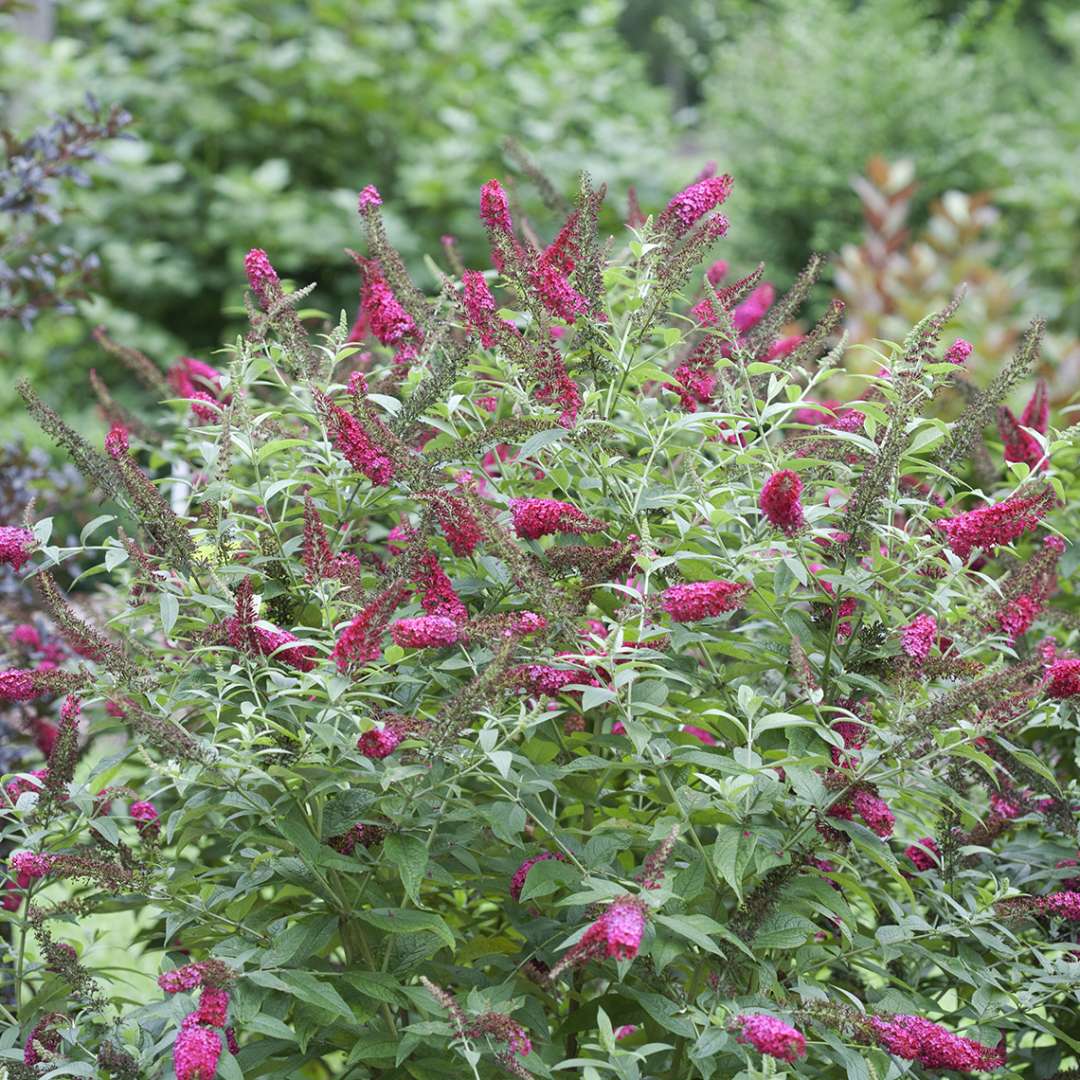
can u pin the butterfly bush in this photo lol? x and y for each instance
(578, 664)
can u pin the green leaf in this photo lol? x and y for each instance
(321, 994)
(169, 607)
(546, 876)
(695, 928)
(404, 921)
(731, 855)
(410, 856)
(344, 810)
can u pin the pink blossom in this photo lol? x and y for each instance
(624, 1031)
(116, 442)
(17, 684)
(875, 813)
(268, 642)
(534, 518)
(21, 785)
(717, 272)
(517, 882)
(26, 637)
(958, 351)
(438, 596)
(379, 743)
(1003, 807)
(918, 1039)
(779, 501)
(1063, 679)
(998, 523)
(182, 979)
(213, 1006)
(360, 641)
(616, 934)
(751, 311)
(694, 202)
(369, 196)
(1065, 903)
(16, 545)
(357, 447)
(918, 637)
(262, 277)
(479, 306)
(783, 346)
(196, 1051)
(699, 733)
(1019, 445)
(425, 632)
(45, 1035)
(495, 207)
(702, 599)
(145, 816)
(459, 525)
(387, 320)
(523, 623)
(925, 854)
(45, 736)
(28, 866)
(199, 383)
(771, 1036)
(1036, 412)
(540, 679)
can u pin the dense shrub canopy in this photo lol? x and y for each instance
(548, 677)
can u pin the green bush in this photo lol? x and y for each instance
(799, 100)
(517, 693)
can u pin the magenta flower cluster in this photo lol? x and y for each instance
(771, 1036)
(702, 599)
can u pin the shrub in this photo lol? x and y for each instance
(977, 102)
(541, 681)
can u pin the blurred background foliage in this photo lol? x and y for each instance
(256, 123)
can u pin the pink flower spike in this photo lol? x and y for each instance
(1036, 412)
(694, 202)
(213, 1006)
(425, 632)
(699, 733)
(771, 1036)
(958, 351)
(779, 501)
(196, 1051)
(145, 816)
(875, 813)
(702, 599)
(16, 545)
(925, 854)
(918, 637)
(262, 277)
(369, 197)
(27, 866)
(997, 523)
(1066, 904)
(379, 743)
(1063, 679)
(17, 684)
(517, 882)
(182, 979)
(534, 518)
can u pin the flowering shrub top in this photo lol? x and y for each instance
(540, 673)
